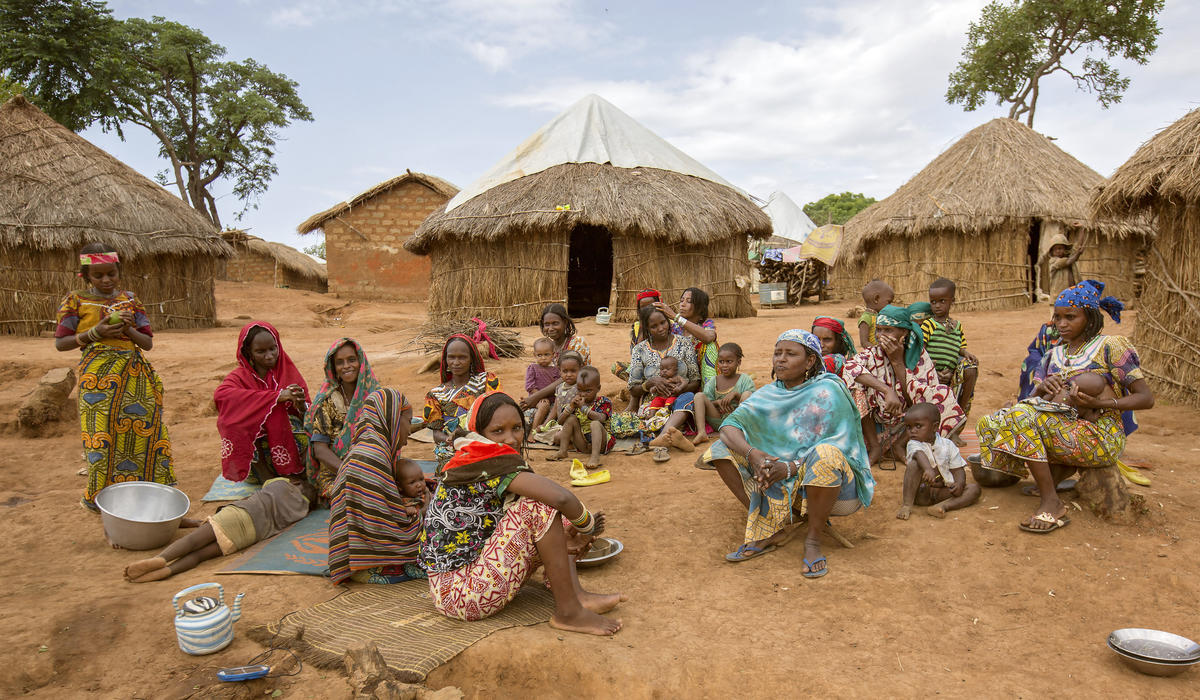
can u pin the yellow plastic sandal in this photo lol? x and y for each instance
(578, 471)
(600, 477)
(1133, 475)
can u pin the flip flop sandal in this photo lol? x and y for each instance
(890, 465)
(661, 454)
(748, 551)
(638, 449)
(1056, 524)
(600, 477)
(810, 564)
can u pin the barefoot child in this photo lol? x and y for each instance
(584, 426)
(539, 375)
(946, 343)
(876, 295)
(410, 481)
(723, 392)
(120, 395)
(569, 364)
(235, 526)
(655, 412)
(935, 472)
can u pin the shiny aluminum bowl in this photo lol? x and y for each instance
(141, 514)
(1155, 645)
(1151, 668)
(603, 550)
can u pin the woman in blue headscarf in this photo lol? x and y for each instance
(889, 378)
(796, 439)
(1051, 446)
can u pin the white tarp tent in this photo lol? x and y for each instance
(787, 218)
(590, 131)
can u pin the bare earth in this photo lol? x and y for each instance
(967, 606)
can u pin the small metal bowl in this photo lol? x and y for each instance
(1155, 645)
(603, 550)
(141, 514)
(1151, 668)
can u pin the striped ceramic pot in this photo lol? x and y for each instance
(205, 625)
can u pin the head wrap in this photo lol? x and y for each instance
(1086, 295)
(473, 415)
(839, 329)
(799, 335)
(365, 384)
(476, 358)
(649, 293)
(919, 311)
(98, 258)
(892, 316)
(478, 459)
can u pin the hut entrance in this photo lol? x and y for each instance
(1032, 253)
(590, 270)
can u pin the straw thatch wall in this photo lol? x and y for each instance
(268, 262)
(669, 231)
(976, 203)
(59, 192)
(1162, 179)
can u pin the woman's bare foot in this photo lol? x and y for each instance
(593, 463)
(936, 510)
(156, 575)
(663, 439)
(586, 622)
(144, 566)
(904, 512)
(679, 440)
(601, 603)
(701, 438)
(557, 456)
(190, 522)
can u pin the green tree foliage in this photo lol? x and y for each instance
(837, 208)
(1017, 43)
(214, 119)
(317, 250)
(8, 88)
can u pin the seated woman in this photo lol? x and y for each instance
(646, 297)
(558, 327)
(692, 322)
(491, 522)
(260, 410)
(464, 379)
(882, 398)
(796, 439)
(1045, 340)
(334, 411)
(644, 380)
(1051, 446)
(373, 535)
(836, 343)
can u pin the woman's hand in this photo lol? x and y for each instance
(655, 386)
(666, 309)
(105, 329)
(892, 405)
(1078, 399)
(770, 472)
(524, 403)
(1051, 385)
(291, 393)
(893, 348)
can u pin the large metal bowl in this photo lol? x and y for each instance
(1155, 645)
(1151, 668)
(141, 514)
(603, 550)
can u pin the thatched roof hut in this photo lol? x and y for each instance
(59, 192)
(1162, 180)
(268, 262)
(588, 211)
(979, 214)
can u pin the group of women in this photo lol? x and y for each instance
(795, 450)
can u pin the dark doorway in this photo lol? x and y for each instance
(1032, 253)
(590, 270)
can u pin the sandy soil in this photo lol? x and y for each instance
(963, 606)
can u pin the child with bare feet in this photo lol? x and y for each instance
(410, 482)
(935, 475)
(235, 526)
(657, 412)
(538, 376)
(569, 364)
(876, 295)
(723, 392)
(946, 343)
(584, 425)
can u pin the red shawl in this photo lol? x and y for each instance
(248, 406)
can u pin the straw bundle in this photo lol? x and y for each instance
(1162, 180)
(59, 192)
(968, 216)
(432, 336)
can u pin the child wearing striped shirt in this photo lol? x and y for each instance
(946, 343)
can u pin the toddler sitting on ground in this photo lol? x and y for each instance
(935, 474)
(584, 422)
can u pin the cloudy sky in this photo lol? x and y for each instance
(805, 97)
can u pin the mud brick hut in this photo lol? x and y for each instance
(58, 192)
(268, 262)
(587, 211)
(1162, 181)
(979, 214)
(364, 256)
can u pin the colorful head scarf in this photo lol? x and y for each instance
(919, 311)
(476, 357)
(649, 293)
(1086, 295)
(478, 459)
(892, 316)
(366, 384)
(839, 329)
(98, 258)
(799, 335)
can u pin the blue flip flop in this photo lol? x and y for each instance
(748, 551)
(815, 574)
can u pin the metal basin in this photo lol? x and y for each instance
(1155, 645)
(1151, 668)
(603, 550)
(141, 514)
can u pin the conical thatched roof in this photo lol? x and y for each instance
(997, 172)
(57, 190)
(287, 256)
(1165, 169)
(437, 184)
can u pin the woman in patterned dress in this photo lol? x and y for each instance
(334, 410)
(644, 381)
(491, 522)
(464, 379)
(693, 322)
(1052, 446)
(557, 325)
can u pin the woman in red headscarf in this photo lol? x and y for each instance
(645, 297)
(464, 379)
(260, 409)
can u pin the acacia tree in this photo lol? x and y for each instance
(213, 119)
(1015, 45)
(837, 208)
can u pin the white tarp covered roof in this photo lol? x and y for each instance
(787, 218)
(590, 131)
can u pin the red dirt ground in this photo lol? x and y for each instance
(967, 606)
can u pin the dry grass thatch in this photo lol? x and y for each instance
(643, 202)
(437, 184)
(1162, 179)
(285, 256)
(59, 192)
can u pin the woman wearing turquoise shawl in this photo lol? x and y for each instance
(796, 439)
(348, 382)
(892, 376)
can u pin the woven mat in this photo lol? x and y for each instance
(301, 549)
(223, 489)
(413, 637)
